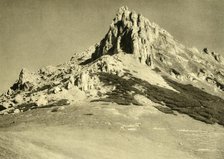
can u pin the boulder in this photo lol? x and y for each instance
(69, 85)
(18, 99)
(16, 111)
(42, 101)
(7, 104)
(56, 90)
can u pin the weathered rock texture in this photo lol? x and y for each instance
(133, 34)
(130, 36)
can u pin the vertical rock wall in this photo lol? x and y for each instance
(131, 33)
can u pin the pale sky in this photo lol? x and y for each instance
(36, 33)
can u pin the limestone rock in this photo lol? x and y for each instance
(84, 81)
(69, 85)
(132, 44)
(16, 111)
(7, 104)
(26, 80)
(56, 90)
(18, 99)
(217, 57)
(42, 101)
(131, 33)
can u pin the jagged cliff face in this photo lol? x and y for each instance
(133, 34)
(134, 49)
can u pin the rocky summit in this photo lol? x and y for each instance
(137, 62)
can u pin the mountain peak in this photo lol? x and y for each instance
(122, 9)
(131, 33)
(136, 56)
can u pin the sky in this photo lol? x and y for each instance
(37, 33)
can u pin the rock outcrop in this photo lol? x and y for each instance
(130, 34)
(26, 81)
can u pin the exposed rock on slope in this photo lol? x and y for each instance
(137, 54)
(151, 45)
